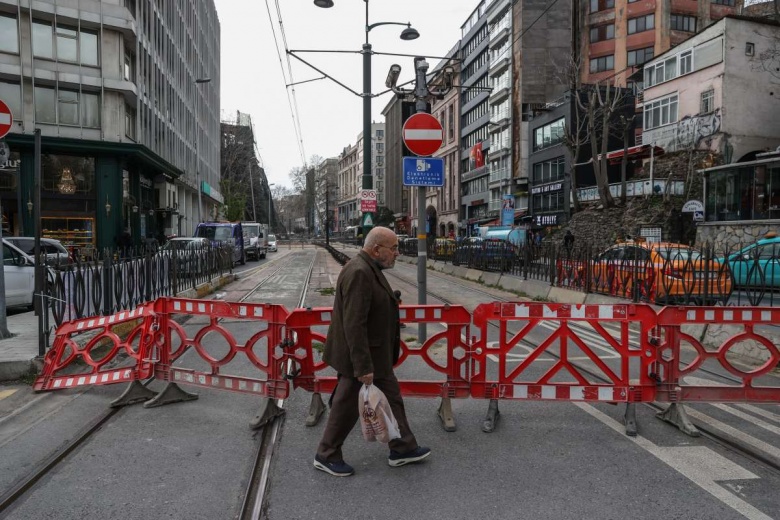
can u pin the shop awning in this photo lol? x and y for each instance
(641, 151)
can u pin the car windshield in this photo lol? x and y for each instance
(179, 245)
(272, 238)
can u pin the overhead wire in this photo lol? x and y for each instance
(292, 81)
(293, 113)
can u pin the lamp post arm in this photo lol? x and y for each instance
(369, 27)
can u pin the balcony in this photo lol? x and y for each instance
(499, 32)
(501, 175)
(473, 174)
(495, 205)
(500, 92)
(499, 63)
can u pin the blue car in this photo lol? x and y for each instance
(758, 264)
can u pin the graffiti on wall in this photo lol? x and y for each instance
(692, 130)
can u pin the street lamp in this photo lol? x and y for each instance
(198, 81)
(407, 34)
(270, 226)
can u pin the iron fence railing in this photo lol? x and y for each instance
(659, 273)
(120, 279)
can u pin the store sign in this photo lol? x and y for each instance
(546, 220)
(547, 188)
(146, 183)
(692, 206)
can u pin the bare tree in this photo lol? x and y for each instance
(575, 137)
(602, 104)
(625, 127)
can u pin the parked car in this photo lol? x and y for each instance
(19, 270)
(662, 272)
(272, 243)
(190, 254)
(758, 264)
(56, 254)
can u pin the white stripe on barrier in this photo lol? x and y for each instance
(728, 315)
(578, 311)
(606, 311)
(522, 311)
(766, 315)
(547, 312)
(577, 393)
(419, 314)
(606, 394)
(548, 392)
(242, 311)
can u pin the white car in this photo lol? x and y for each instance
(272, 243)
(19, 270)
(56, 254)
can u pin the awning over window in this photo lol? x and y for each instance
(641, 151)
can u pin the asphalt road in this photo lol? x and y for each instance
(555, 460)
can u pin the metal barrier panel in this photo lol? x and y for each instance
(221, 337)
(691, 371)
(552, 351)
(86, 351)
(446, 352)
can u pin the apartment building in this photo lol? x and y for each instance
(619, 35)
(125, 94)
(349, 179)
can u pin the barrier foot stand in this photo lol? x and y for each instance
(134, 393)
(172, 393)
(676, 415)
(316, 409)
(267, 414)
(446, 416)
(491, 419)
(629, 419)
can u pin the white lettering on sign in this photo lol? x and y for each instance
(692, 206)
(547, 187)
(546, 220)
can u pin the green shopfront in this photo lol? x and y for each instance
(91, 191)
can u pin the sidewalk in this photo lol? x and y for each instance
(18, 352)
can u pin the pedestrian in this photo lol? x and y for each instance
(362, 345)
(568, 241)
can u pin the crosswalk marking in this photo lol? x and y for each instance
(6, 393)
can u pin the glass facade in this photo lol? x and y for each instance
(748, 193)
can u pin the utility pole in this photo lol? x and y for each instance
(422, 95)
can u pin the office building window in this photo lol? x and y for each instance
(11, 93)
(380, 134)
(679, 22)
(642, 23)
(707, 101)
(660, 112)
(71, 44)
(67, 107)
(129, 122)
(602, 63)
(639, 56)
(601, 5)
(602, 32)
(9, 34)
(549, 135)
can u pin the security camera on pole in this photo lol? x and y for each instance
(422, 134)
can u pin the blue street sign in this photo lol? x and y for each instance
(423, 171)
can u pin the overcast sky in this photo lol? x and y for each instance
(330, 116)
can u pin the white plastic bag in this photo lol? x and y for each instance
(376, 418)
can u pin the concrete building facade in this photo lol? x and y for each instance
(128, 136)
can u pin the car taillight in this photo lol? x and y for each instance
(673, 273)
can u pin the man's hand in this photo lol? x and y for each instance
(367, 379)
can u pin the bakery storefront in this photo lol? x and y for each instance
(87, 199)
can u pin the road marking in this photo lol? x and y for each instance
(760, 411)
(699, 464)
(6, 393)
(747, 417)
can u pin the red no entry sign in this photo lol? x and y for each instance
(422, 134)
(6, 119)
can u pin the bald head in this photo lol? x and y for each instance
(378, 235)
